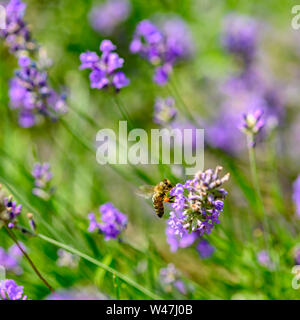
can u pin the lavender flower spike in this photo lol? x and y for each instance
(31, 94)
(205, 249)
(10, 259)
(296, 195)
(164, 111)
(9, 290)
(178, 240)
(253, 122)
(42, 175)
(240, 36)
(16, 34)
(170, 277)
(9, 211)
(263, 258)
(198, 203)
(162, 46)
(106, 17)
(112, 223)
(104, 69)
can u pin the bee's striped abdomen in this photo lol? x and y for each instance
(158, 204)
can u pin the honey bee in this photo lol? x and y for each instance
(159, 194)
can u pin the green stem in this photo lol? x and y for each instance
(116, 285)
(181, 101)
(35, 269)
(123, 111)
(255, 181)
(101, 265)
(262, 211)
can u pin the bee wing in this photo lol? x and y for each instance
(145, 191)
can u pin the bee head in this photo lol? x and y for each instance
(167, 184)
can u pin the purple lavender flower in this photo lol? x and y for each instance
(198, 203)
(14, 250)
(296, 195)
(105, 68)
(10, 259)
(162, 47)
(113, 222)
(88, 293)
(162, 73)
(106, 17)
(263, 258)
(9, 211)
(297, 255)
(9, 290)
(243, 94)
(221, 133)
(170, 277)
(180, 240)
(164, 111)
(67, 259)
(31, 95)
(42, 175)
(252, 125)
(16, 34)
(240, 36)
(252, 122)
(7, 261)
(146, 41)
(179, 40)
(205, 249)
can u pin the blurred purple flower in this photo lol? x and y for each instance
(42, 175)
(11, 211)
(9, 290)
(297, 256)
(205, 249)
(162, 46)
(264, 259)
(113, 222)
(242, 94)
(10, 259)
(179, 40)
(161, 74)
(67, 259)
(170, 277)
(180, 286)
(296, 195)
(7, 261)
(31, 95)
(240, 35)
(88, 293)
(164, 111)
(104, 69)
(16, 34)
(107, 16)
(176, 241)
(15, 252)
